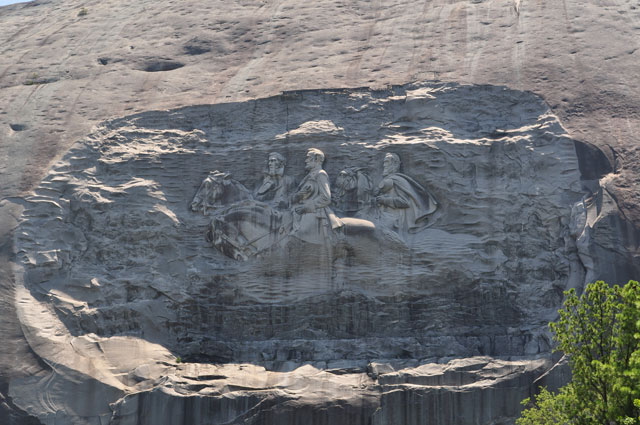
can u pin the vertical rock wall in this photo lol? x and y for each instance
(115, 244)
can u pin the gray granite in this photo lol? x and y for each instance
(119, 258)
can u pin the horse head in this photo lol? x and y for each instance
(346, 181)
(352, 189)
(217, 189)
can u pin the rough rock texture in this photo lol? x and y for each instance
(108, 242)
(61, 73)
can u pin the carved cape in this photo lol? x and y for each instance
(415, 203)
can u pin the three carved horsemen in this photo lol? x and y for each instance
(252, 222)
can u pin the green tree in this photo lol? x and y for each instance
(600, 333)
(549, 408)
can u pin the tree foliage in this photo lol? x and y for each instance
(600, 333)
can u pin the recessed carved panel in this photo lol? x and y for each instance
(421, 221)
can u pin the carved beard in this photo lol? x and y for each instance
(391, 169)
(279, 172)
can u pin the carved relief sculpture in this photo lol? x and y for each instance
(314, 221)
(352, 196)
(216, 190)
(404, 204)
(245, 225)
(276, 186)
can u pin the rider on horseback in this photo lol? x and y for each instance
(314, 221)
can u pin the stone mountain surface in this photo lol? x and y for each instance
(524, 133)
(112, 257)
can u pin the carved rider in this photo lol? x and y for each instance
(275, 187)
(314, 221)
(352, 194)
(401, 199)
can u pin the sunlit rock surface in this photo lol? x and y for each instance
(62, 73)
(115, 264)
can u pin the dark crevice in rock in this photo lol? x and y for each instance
(592, 161)
(208, 358)
(35, 81)
(206, 377)
(17, 127)
(108, 60)
(615, 159)
(197, 46)
(159, 65)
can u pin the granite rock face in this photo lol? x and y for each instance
(61, 73)
(119, 273)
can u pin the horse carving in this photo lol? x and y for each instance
(252, 229)
(368, 229)
(247, 229)
(216, 190)
(353, 192)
